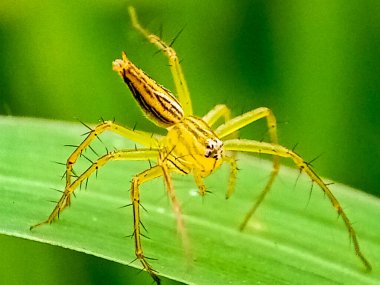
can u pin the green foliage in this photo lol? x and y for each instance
(315, 63)
(292, 239)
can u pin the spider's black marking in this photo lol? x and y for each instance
(74, 174)
(92, 149)
(145, 106)
(176, 36)
(86, 184)
(60, 191)
(84, 124)
(71, 145)
(87, 158)
(311, 190)
(141, 223)
(151, 258)
(294, 147)
(144, 235)
(157, 51)
(298, 177)
(96, 135)
(160, 30)
(86, 133)
(63, 175)
(131, 236)
(179, 168)
(143, 207)
(309, 163)
(125, 206)
(167, 155)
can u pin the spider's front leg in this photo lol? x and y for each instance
(137, 180)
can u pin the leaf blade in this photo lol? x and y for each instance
(279, 245)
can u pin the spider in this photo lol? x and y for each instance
(191, 146)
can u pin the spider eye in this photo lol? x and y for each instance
(214, 148)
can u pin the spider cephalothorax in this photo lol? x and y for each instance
(191, 146)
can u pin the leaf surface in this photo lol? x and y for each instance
(292, 239)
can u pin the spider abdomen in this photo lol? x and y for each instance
(157, 102)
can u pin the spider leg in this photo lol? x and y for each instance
(137, 180)
(64, 201)
(175, 67)
(175, 205)
(241, 121)
(211, 118)
(138, 136)
(216, 113)
(280, 151)
(199, 182)
(233, 174)
(247, 118)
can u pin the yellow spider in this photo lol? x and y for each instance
(191, 146)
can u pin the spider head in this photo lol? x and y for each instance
(214, 148)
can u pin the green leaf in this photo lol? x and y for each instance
(292, 239)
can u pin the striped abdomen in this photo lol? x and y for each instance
(158, 103)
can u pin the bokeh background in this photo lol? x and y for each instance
(315, 63)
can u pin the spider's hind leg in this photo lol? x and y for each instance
(137, 136)
(280, 151)
(64, 201)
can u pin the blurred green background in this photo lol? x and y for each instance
(314, 63)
